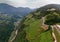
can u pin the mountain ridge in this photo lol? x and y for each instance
(8, 9)
(48, 6)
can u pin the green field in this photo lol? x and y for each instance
(33, 32)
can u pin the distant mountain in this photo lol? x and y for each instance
(24, 11)
(8, 9)
(49, 6)
(44, 9)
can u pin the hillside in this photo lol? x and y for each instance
(32, 29)
(7, 26)
(33, 32)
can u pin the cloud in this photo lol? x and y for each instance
(3, 1)
(54, 1)
(18, 1)
(30, 3)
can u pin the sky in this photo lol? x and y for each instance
(30, 3)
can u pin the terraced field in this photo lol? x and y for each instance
(33, 32)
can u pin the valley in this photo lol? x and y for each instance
(30, 25)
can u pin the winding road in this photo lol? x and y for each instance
(55, 40)
(15, 32)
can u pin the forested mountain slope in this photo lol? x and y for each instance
(7, 26)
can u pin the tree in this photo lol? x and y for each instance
(52, 19)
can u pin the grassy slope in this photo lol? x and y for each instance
(33, 31)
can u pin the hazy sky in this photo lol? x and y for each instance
(30, 3)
